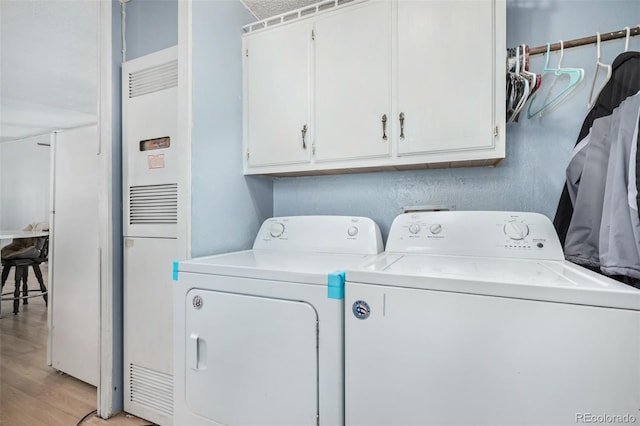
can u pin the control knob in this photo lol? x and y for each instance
(276, 229)
(414, 228)
(352, 231)
(516, 230)
(436, 228)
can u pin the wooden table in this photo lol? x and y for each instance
(13, 233)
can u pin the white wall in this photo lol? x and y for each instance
(24, 182)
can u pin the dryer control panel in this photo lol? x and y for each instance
(476, 233)
(320, 234)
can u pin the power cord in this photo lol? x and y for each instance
(86, 416)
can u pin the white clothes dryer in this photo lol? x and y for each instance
(259, 333)
(475, 318)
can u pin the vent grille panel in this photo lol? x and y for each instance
(153, 204)
(154, 79)
(151, 388)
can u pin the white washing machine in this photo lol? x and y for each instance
(475, 318)
(259, 333)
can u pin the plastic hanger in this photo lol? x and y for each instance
(575, 77)
(626, 41)
(512, 82)
(533, 79)
(592, 98)
(524, 87)
(527, 79)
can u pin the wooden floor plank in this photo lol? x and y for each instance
(31, 392)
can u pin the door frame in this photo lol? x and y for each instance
(109, 395)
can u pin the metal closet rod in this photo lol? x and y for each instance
(586, 40)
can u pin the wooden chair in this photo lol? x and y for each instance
(21, 266)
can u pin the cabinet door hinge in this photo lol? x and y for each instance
(313, 149)
(313, 34)
(495, 132)
(247, 155)
(246, 53)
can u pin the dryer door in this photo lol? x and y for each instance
(251, 360)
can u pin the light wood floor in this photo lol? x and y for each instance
(32, 393)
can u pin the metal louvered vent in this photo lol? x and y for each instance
(151, 388)
(154, 79)
(153, 204)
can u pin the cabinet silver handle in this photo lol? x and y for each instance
(402, 125)
(304, 133)
(384, 126)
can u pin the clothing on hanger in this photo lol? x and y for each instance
(597, 217)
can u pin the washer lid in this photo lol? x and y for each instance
(553, 281)
(310, 268)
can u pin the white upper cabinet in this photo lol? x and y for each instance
(353, 83)
(277, 96)
(379, 85)
(446, 65)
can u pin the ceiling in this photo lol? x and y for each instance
(49, 58)
(48, 66)
(263, 9)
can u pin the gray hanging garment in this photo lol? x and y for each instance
(597, 217)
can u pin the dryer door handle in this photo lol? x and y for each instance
(192, 351)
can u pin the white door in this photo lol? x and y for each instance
(74, 261)
(353, 83)
(148, 327)
(445, 75)
(251, 360)
(277, 67)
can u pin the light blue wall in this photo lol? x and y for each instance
(532, 175)
(227, 207)
(151, 25)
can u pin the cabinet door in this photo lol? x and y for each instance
(446, 65)
(277, 93)
(353, 82)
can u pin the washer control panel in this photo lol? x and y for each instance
(476, 233)
(328, 234)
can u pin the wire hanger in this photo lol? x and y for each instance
(575, 77)
(592, 99)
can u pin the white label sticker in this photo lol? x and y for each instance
(156, 161)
